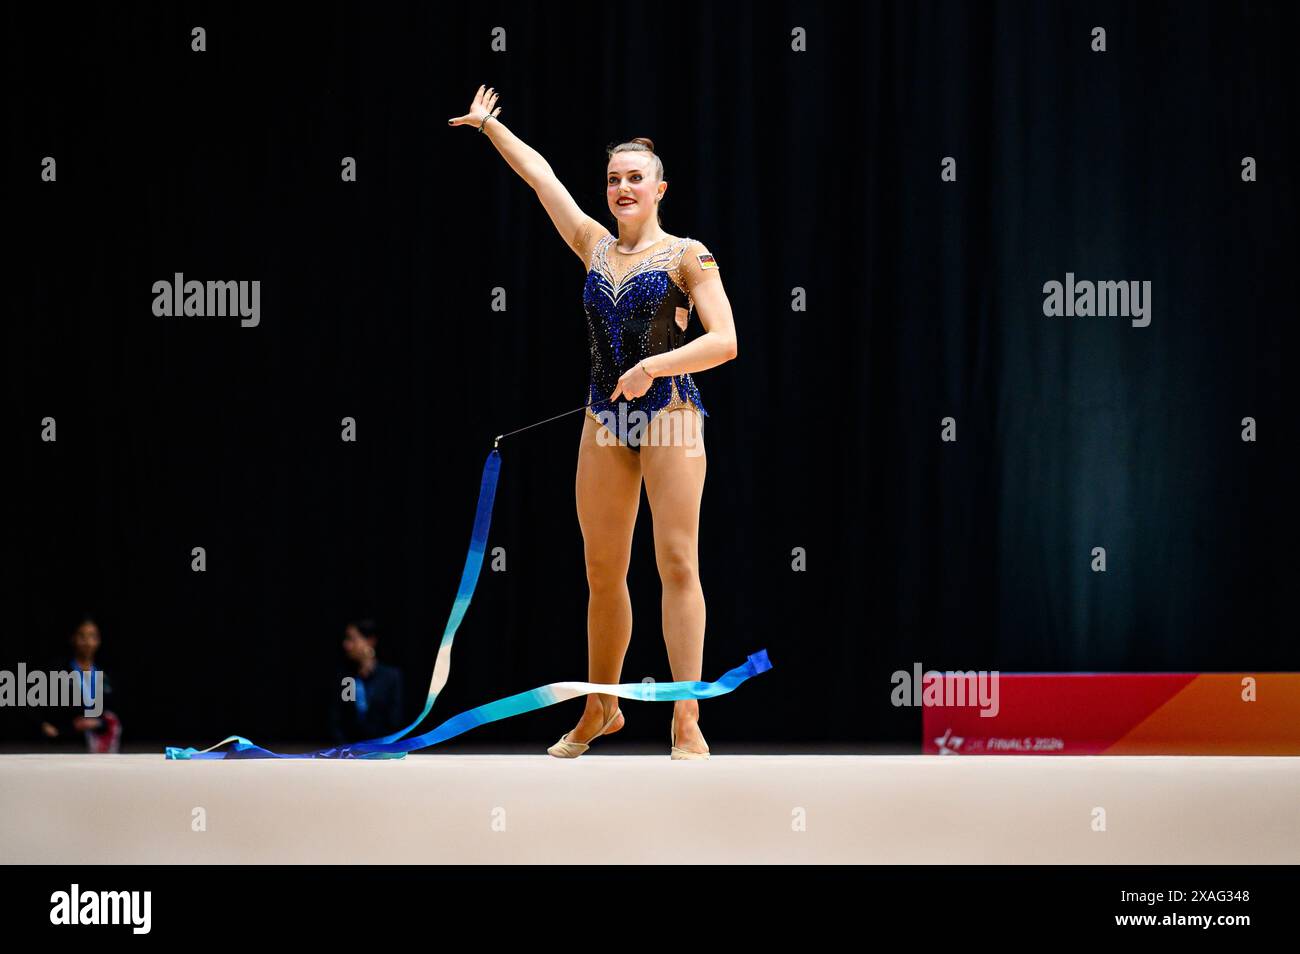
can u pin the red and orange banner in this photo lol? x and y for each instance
(1121, 714)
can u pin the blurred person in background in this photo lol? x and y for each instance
(101, 734)
(370, 705)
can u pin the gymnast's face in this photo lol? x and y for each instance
(631, 187)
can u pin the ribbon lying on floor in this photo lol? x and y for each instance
(396, 745)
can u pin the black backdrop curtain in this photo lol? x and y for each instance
(816, 170)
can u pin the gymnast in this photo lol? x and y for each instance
(645, 414)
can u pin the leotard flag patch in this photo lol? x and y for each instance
(707, 261)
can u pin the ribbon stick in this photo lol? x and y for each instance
(396, 745)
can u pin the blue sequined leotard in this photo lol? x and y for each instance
(631, 315)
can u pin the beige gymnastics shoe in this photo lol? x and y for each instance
(565, 749)
(680, 753)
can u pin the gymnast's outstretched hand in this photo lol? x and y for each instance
(479, 110)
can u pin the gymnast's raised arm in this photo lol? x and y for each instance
(575, 226)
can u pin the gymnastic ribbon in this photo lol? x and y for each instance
(397, 745)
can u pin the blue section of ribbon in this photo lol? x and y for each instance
(396, 746)
(487, 494)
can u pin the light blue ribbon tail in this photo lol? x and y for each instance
(395, 746)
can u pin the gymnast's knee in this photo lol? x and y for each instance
(606, 573)
(678, 567)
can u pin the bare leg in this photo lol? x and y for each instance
(674, 464)
(608, 490)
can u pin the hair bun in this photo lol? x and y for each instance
(646, 141)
